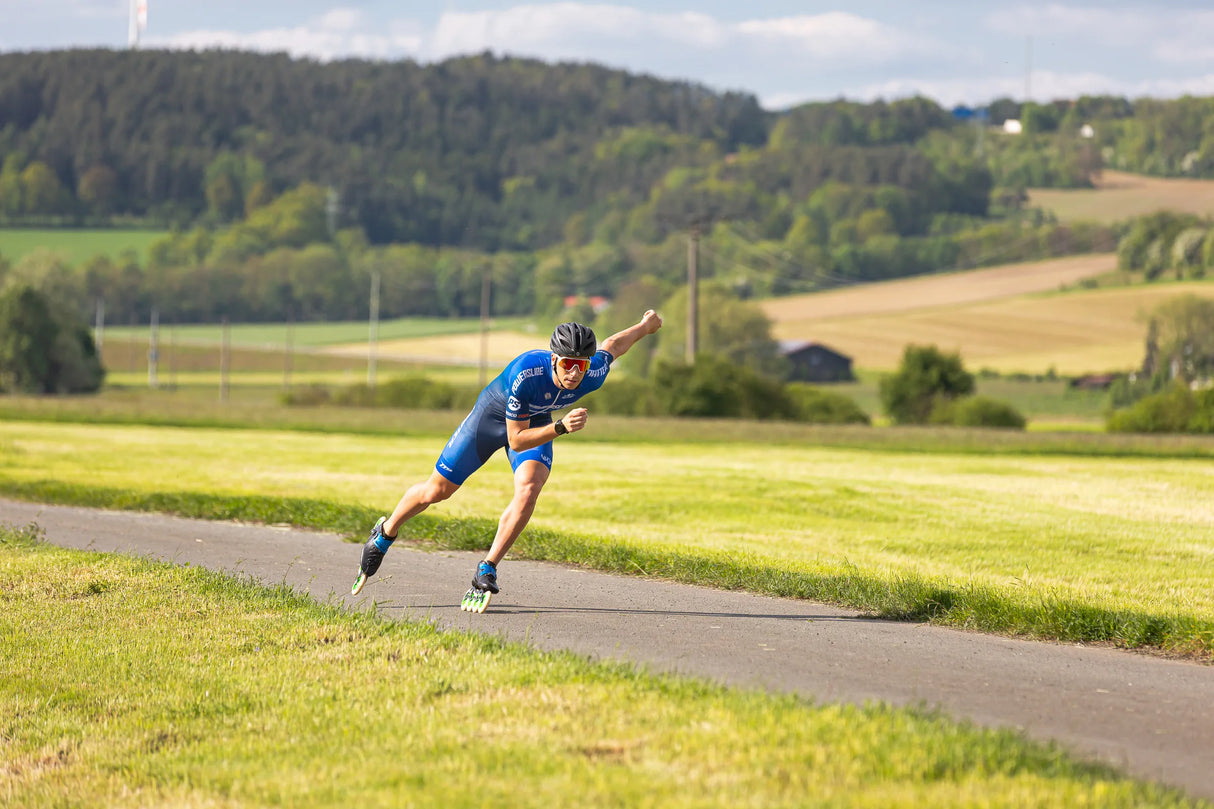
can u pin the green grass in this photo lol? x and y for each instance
(77, 246)
(312, 335)
(1046, 400)
(1116, 549)
(257, 406)
(132, 683)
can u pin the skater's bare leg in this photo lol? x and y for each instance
(417, 498)
(529, 480)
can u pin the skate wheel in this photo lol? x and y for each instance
(358, 584)
(475, 600)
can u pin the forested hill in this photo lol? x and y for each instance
(459, 152)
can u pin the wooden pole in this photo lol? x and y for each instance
(223, 361)
(693, 255)
(485, 288)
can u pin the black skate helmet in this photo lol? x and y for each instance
(573, 340)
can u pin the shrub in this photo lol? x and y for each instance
(977, 411)
(627, 396)
(420, 393)
(1202, 420)
(408, 393)
(1168, 412)
(307, 396)
(716, 387)
(925, 376)
(818, 406)
(45, 348)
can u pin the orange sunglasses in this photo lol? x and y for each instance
(569, 363)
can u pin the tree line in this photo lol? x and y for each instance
(484, 152)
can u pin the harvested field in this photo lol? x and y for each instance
(1119, 196)
(1073, 333)
(452, 348)
(930, 291)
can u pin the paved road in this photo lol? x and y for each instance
(1154, 718)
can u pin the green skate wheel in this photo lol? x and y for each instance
(475, 600)
(358, 583)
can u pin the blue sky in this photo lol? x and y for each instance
(782, 52)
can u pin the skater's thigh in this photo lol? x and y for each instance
(541, 455)
(469, 447)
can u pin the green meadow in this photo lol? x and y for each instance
(77, 246)
(130, 683)
(312, 334)
(1046, 539)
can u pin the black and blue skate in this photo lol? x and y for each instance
(484, 586)
(373, 555)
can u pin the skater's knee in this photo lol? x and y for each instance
(437, 490)
(528, 491)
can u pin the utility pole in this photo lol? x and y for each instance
(99, 325)
(154, 348)
(223, 361)
(289, 350)
(332, 206)
(486, 285)
(693, 255)
(373, 328)
(1028, 70)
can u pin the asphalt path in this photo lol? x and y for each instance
(1152, 718)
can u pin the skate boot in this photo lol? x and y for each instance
(373, 555)
(484, 585)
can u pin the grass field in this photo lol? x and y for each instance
(322, 335)
(1119, 196)
(189, 375)
(269, 370)
(129, 683)
(1083, 548)
(1011, 319)
(77, 246)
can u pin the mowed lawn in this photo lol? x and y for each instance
(1118, 533)
(1119, 195)
(131, 684)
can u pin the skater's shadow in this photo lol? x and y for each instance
(523, 609)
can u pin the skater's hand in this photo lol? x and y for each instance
(651, 321)
(575, 419)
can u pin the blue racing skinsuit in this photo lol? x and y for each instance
(524, 390)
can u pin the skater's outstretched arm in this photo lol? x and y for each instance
(618, 344)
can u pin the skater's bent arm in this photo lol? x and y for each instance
(522, 437)
(618, 344)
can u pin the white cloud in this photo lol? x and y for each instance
(599, 32)
(836, 35)
(1045, 86)
(63, 10)
(784, 60)
(338, 33)
(584, 31)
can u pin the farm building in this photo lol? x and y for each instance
(814, 362)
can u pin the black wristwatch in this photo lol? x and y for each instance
(559, 426)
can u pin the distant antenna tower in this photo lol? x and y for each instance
(138, 21)
(1028, 69)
